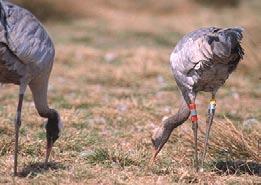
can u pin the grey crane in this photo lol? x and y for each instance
(26, 58)
(201, 61)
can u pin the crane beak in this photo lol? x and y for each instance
(157, 149)
(49, 147)
(153, 158)
(155, 153)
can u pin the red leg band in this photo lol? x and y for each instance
(194, 118)
(193, 111)
(192, 106)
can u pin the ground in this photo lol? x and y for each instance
(112, 85)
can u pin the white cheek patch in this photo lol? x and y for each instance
(44, 124)
(60, 124)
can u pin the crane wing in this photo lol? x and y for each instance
(200, 49)
(24, 35)
(192, 55)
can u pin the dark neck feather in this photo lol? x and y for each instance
(49, 113)
(53, 121)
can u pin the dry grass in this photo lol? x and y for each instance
(112, 84)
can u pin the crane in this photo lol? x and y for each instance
(26, 59)
(201, 61)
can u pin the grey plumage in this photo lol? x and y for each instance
(201, 61)
(26, 58)
(26, 39)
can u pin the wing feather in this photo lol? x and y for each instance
(25, 36)
(198, 50)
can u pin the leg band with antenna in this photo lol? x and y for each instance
(212, 105)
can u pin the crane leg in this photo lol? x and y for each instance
(194, 119)
(211, 113)
(18, 124)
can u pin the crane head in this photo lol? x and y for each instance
(53, 129)
(156, 138)
(159, 138)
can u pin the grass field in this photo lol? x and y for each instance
(112, 84)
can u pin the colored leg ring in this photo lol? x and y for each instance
(212, 105)
(193, 112)
(194, 118)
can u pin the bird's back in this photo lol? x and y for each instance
(194, 35)
(202, 60)
(26, 38)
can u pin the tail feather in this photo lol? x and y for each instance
(234, 33)
(238, 31)
(228, 42)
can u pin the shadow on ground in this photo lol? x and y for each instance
(34, 169)
(238, 167)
